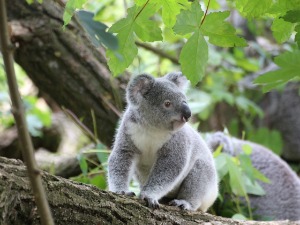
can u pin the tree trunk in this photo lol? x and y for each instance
(74, 203)
(65, 65)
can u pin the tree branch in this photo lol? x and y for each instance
(18, 112)
(158, 52)
(73, 203)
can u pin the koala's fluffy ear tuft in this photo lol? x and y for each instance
(138, 87)
(179, 79)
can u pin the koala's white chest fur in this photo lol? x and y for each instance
(148, 141)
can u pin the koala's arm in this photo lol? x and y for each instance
(120, 166)
(165, 173)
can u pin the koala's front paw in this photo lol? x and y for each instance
(151, 202)
(182, 204)
(127, 193)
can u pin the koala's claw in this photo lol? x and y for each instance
(182, 204)
(150, 202)
(127, 193)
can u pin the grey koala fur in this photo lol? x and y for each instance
(282, 199)
(156, 146)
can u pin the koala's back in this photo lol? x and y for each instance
(282, 198)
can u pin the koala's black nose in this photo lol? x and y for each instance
(186, 112)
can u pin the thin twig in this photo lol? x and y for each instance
(158, 52)
(18, 112)
(81, 126)
(202, 21)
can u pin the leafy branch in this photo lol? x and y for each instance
(145, 20)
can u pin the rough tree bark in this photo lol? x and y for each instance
(74, 203)
(65, 65)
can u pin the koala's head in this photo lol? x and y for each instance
(160, 102)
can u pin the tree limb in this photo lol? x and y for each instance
(158, 52)
(74, 203)
(65, 65)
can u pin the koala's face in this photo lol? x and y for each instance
(160, 102)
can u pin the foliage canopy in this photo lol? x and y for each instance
(148, 21)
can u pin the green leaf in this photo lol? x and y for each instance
(247, 149)
(239, 217)
(297, 36)
(221, 165)
(290, 67)
(99, 181)
(249, 170)
(170, 9)
(193, 58)
(145, 28)
(235, 178)
(189, 21)
(259, 176)
(292, 16)
(96, 30)
(218, 151)
(221, 33)
(70, 8)
(148, 31)
(280, 7)
(137, 22)
(121, 59)
(83, 164)
(253, 8)
(282, 30)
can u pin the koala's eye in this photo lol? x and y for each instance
(167, 103)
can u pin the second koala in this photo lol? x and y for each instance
(156, 146)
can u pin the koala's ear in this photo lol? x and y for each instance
(138, 87)
(179, 79)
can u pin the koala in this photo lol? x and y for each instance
(282, 199)
(155, 145)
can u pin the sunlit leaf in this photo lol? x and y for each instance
(220, 32)
(170, 9)
(235, 178)
(193, 58)
(282, 30)
(247, 149)
(290, 67)
(121, 59)
(70, 8)
(99, 181)
(221, 165)
(297, 36)
(189, 21)
(253, 8)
